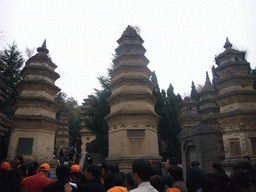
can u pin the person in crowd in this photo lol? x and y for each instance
(61, 155)
(171, 161)
(33, 168)
(194, 177)
(175, 174)
(129, 183)
(242, 180)
(112, 177)
(114, 182)
(13, 181)
(92, 175)
(141, 174)
(158, 182)
(113, 168)
(76, 174)
(156, 170)
(252, 168)
(221, 176)
(104, 167)
(71, 152)
(37, 182)
(4, 169)
(209, 183)
(62, 173)
(79, 144)
(18, 162)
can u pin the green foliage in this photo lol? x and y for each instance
(194, 94)
(167, 107)
(13, 60)
(70, 105)
(96, 123)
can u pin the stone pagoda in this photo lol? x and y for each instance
(132, 121)
(237, 101)
(34, 122)
(86, 135)
(62, 135)
(5, 123)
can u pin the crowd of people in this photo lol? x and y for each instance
(145, 176)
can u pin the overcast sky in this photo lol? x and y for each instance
(182, 37)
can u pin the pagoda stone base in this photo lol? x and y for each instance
(33, 144)
(125, 163)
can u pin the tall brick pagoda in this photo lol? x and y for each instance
(34, 122)
(237, 101)
(132, 121)
(86, 135)
(62, 135)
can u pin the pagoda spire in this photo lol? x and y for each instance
(43, 48)
(207, 76)
(227, 44)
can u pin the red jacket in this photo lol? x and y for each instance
(36, 183)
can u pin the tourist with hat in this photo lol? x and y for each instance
(76, 174)
(4, 169)
(37, 182)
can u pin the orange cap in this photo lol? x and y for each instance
(45, 166)
(173, 190)
(6, 166)
(75, 169)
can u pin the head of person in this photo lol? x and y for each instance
(195, 164)
(93, 172)
(5, 166)
(75, 172)
(172, 161)
(158, 182)
(18, 159)
(247, 158)
(62, 172)
(13, 179)
(113, 168)
(44, 168)
(104, 168)
(32, 168)
(129, 183)
(112, 179)
(141, 170)
(156, 170)
(217, 167)
(242, 180)
(175, 173)
(209, 182)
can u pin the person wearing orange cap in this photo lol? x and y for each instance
(37, 182)
(4, 169)
(76, 174)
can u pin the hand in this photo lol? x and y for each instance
(67, 188)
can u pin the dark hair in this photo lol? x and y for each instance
(217, 166)
(104, 166)
(13, 179)
(209, 182)
(156, 170)
(195, 164)
(112, 180)
(128, 179)
(95, 170)
(32, 168)
(143, 168)
(247, 157)
(113, 168)
(176, 173)
(173, 160)
(62, 172)
(20, 157)
(240, 179)
(158, 182)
